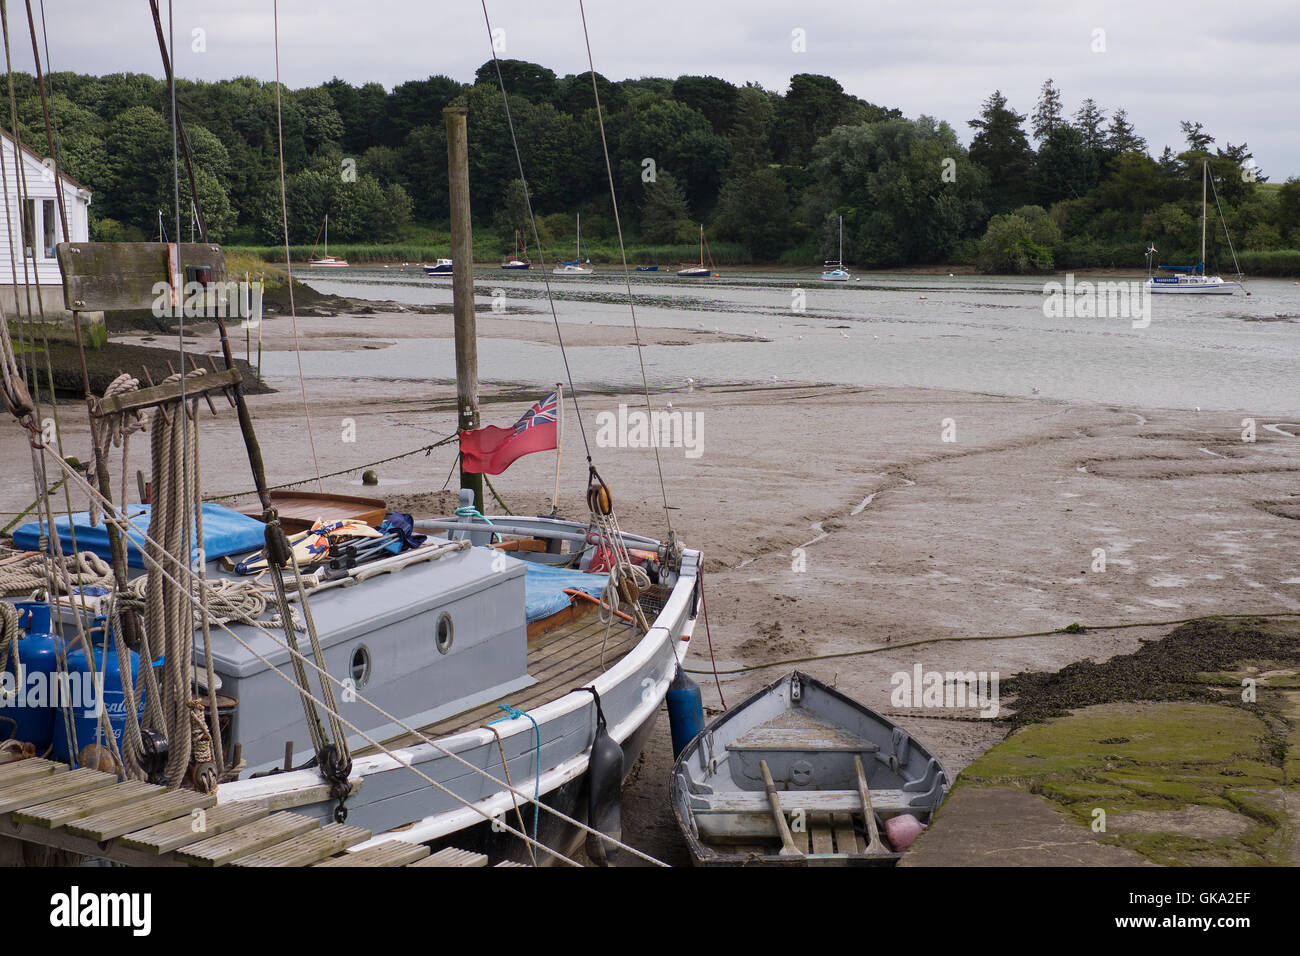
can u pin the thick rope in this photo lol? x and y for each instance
(31, 572)
(114, 431)
(168, 619)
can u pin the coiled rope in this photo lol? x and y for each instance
(31, 572)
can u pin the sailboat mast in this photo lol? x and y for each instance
(462, 286)
(701, 245)
(841, 242)
(1205, 172)
(327, 235)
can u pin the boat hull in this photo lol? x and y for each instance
(806, 735)
(394, 803)
(1211, 286)
(693, 273)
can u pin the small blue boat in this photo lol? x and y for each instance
(647, 268)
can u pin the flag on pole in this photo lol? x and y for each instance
(491, 450)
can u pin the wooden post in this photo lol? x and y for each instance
(559, 445)
(462, 286)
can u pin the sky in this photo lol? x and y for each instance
(1234, 67)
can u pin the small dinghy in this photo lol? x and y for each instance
(801, 775)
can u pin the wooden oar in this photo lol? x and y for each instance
(787, 840)
(874, 845)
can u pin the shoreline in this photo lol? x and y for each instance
(835, 519)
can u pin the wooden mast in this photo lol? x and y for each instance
(1205, 171)
(462, 287)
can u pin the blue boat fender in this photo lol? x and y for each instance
(685, 711)
(604, 791)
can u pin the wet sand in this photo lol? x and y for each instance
(838, 519)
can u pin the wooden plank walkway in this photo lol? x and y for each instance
(95, 814)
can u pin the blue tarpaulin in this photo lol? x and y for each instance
(224, 532)
(544, 588)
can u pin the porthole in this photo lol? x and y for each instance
(359, 668)
(444, 634)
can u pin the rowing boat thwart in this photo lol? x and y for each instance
(799, 775)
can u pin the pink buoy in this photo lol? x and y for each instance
(902, 831)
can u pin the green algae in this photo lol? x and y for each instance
(1163, 729)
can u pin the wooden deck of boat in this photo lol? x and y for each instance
(88, 812)
(92, 813)
(560, 659)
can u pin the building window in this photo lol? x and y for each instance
(29, 228)
(51, 235)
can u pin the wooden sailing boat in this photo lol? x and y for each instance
(436, 640)
(521, 261)
(701, 270)
(326, 260)
(1192, 280)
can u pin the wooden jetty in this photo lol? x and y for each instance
(95, 814)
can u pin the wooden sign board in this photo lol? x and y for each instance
(117, 276)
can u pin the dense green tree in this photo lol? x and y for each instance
(1065, 168)
(751, 133)
(1287, 213)
(680, 141)
(1019, 242)
(1089, 120)
(1000, 146)
(754, 210)
(907, 190)
(1048, 115)
(532, 81)
(664, 210)
(1121, 137)
(811, 108)
(715, 98)
(139, 161)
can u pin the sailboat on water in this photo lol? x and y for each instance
(520, 261)
(326, 260)
(575, 267)
(1192, 280)
(838, 273)
(700, 271)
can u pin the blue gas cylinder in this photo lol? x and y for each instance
(685, 711)
(87, 696)
(26, 695)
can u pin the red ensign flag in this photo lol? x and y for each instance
(491, 450)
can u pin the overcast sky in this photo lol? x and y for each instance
(1235, 67)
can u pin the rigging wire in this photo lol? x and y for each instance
(125, 523)
(532, 219)
(288, 265)
(1223, 224)
(627, 276)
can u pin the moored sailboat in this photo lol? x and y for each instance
(575, 266)
(1192, 280)
(835, 271)
(325, 260)
(700, 271)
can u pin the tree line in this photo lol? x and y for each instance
(770, 172)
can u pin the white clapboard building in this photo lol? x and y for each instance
(30, 228)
